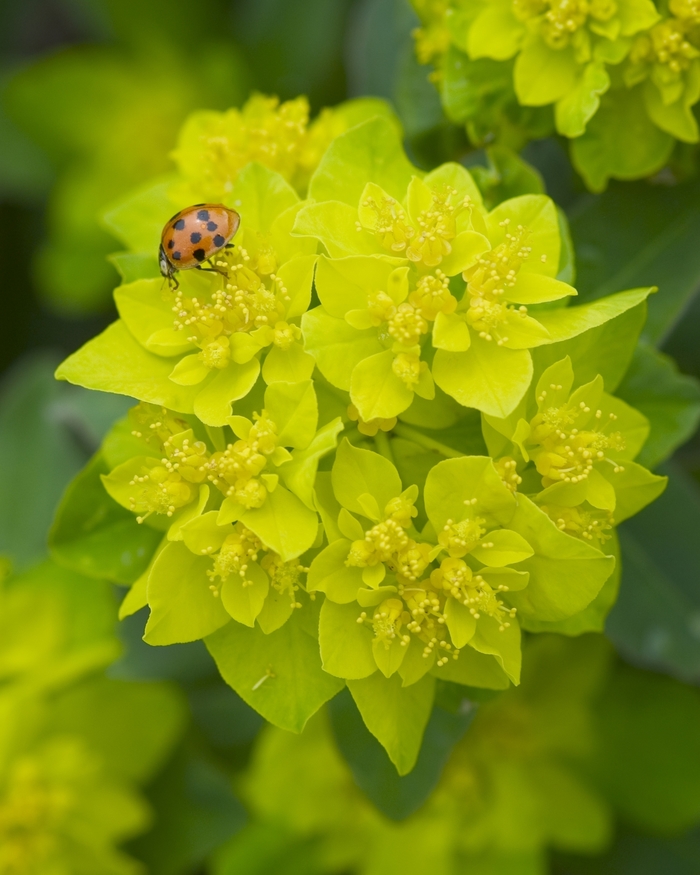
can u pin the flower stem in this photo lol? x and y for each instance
(412, 434)
(383, 445)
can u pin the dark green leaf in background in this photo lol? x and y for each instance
(656, 620)
(637, 234)
(374, 773)
(47, 432)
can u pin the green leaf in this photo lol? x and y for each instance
(395, 715)
(606, 350)
(575, 110)
(335, 225)
(542, 74)
(505, 175)
(495, 33)
(565, 574)
(450, 484)
(504, 645)
(143, 306)
(283, 524)
(473, 669)
(592, 618)
(299, 474)
(39, 454)
(279, 675)
(358, 472)
(375, 389)
(346, 645)
(502, 547)
(620, 141)
(488, 377)
(650, 781)
(212, 403)
(138, 220)
(244, 599)
(669, 400)
(183, 607)
(637, 235)
(345, 284)
(260, 195)
(114, 361)
(396, 796)
(329, 574)
(569, 322)
(132, 727)
(337, 346)
(134, 266)
(655, 619)
(92, 534)
(294, 410)
(287, 365)
(370, 152)
(635, 488)
(460, 621)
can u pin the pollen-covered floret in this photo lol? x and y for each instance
(488, 280)
(507, 469)
(163, 486)
(285, 577)
(251, 296)
(154, 424)
(432, 296)
(584, 521)
(236, 469)
(239, 549)
(563, 452)
(471, 590)
(459, 538)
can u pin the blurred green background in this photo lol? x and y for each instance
(92, 95)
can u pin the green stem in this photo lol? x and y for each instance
(412, 434)
(383, 445)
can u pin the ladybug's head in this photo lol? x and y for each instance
(166, 268)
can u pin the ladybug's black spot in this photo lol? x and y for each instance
(177, 256)
(199, 254)
(212, 226)
(203, 215)
(179, 225)
(195, 237)
(171, 243)
(219, 240)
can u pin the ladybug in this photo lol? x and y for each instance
(194, 235)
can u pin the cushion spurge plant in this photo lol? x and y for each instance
(372, 446)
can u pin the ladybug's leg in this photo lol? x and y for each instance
(212, 269)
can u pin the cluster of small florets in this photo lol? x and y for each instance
(562, 452)
(251, 296)
(215, 146)
(432, 296)
(584, 521)
(235, 471)
(418, 608)
(285, 577)
(459, 538)
(239, 549)
(167, 485)
(488, 279)
(426, 237)
(470, 589)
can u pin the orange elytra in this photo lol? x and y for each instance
(194, 235)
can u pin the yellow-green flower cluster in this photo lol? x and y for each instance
(386, 304)
(602, 66)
